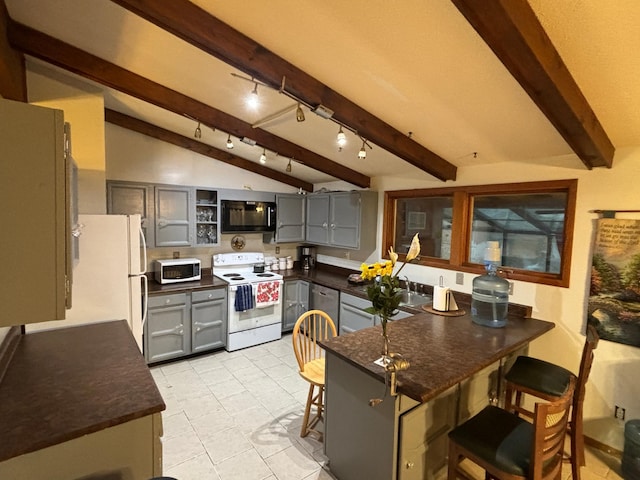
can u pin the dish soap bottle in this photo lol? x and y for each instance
(490, 294)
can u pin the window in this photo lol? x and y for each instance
(533, 223)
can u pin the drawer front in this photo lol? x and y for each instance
(207, 295)
(160, 301)
(355, 301)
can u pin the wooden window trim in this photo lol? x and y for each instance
(462, 221)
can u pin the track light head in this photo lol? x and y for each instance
(229, 142)
(299, 113)
(263, 157)
(362, 154)
(341, 138)
(198, 132)
(252, 99)
(288, 169)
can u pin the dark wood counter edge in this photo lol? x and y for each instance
(377, 372)
(32, 415)
(8, 348)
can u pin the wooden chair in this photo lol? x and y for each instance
(547, 381)
(509, 447)
(312, 326)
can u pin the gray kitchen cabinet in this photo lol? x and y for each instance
(167, 331)
(127, 198)
(296, 302)
(291, 213)
(206, 225)
(208, 319)
(35, 194)
(353, 317)
(337, 219)
(352, 314)
(317, 226)
(173, 216)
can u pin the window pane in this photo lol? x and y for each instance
(431, 218)
(529, 228)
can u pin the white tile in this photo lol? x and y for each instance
(226, 388)
(176, 425)
(321, 475)
(293, 383)
(216, 375)
(292, 463)
(203, 405)
(237, 363)
(239, 402)
(206, 363)
(226, 444)
(245, 466)
(252, 419)
(176, 367)
(270, 439)
(212, 423)
(280, 370)
(181, 448)
(260, 385)
(249, 374)
(197, 468)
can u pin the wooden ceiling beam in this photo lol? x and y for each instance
(514, 33)
(73, 59)
(150, 130)
(197, 27)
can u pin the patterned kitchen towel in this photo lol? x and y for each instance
(267, 293)
(244, 298)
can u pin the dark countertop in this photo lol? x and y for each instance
(65, 383)
(442, 351)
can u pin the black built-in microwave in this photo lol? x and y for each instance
(248, 216)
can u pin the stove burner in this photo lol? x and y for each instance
(236, 278)
(264, 275)
(231, 275)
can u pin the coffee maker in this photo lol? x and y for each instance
(307, 257)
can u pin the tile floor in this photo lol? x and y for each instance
(237, 416)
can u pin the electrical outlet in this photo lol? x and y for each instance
(459, 278)
(176, 254)
(510, 288)
(277, 250)
(619, 412)
(347, 255)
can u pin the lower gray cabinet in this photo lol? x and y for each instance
(208, 319)
(296, 302)
(167, 331)
(184, 323)
(353, 317)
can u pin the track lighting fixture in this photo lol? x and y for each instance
(288, 169)
(230, 143)
(263, 157)
(341, 138)
(198, 132)
(362, 154)
(252, 100)
(299, 113)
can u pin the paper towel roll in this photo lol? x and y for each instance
(441, 298)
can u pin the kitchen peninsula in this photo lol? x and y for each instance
(455, 371)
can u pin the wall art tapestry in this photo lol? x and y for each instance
(614, 297)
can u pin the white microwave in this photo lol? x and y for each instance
(176, 270)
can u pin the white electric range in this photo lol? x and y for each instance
(258, 319)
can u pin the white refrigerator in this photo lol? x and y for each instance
(109, 281)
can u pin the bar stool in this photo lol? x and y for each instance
(312, 326)
(547, 381)
(508, 447)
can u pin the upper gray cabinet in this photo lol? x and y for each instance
(207, 226)
(124, 198)
(35, 193)
(291, 213)
(337, 219)
(174, 218)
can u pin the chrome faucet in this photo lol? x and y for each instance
(408, 284)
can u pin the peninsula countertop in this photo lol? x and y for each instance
(65, 383)
(442, 351)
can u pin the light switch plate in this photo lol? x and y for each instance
(459, 278)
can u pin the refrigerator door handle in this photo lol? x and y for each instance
(143, 242)
(145, 298)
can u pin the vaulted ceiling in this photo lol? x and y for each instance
(424, 87)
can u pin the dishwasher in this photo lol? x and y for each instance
(327, 300)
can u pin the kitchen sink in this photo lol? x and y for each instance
(412, 299)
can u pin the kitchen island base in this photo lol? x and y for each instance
(399, 438)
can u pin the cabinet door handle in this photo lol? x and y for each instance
(410, 465)
(162, 222)
(324, 225)
(167, 301)
(333, 226)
